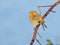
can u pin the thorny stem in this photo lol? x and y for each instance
(50, 9)
(34, 36)
(36, 28)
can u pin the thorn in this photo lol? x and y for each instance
(43, 27)
(38, 41)
(39, 35)
(45, 6)
(53, 11)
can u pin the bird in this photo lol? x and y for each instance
(36, 19)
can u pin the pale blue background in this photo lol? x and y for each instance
(15, 27)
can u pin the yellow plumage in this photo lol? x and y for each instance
(36, 18)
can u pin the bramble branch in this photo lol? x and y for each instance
(44, 16)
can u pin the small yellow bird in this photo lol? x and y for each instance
(36, 19)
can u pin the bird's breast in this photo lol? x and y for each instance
(36, 20)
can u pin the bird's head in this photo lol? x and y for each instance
(32, 13)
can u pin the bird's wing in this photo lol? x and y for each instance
(50, 9)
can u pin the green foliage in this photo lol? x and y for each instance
(49, 42)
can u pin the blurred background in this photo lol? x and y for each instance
(16, 28)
